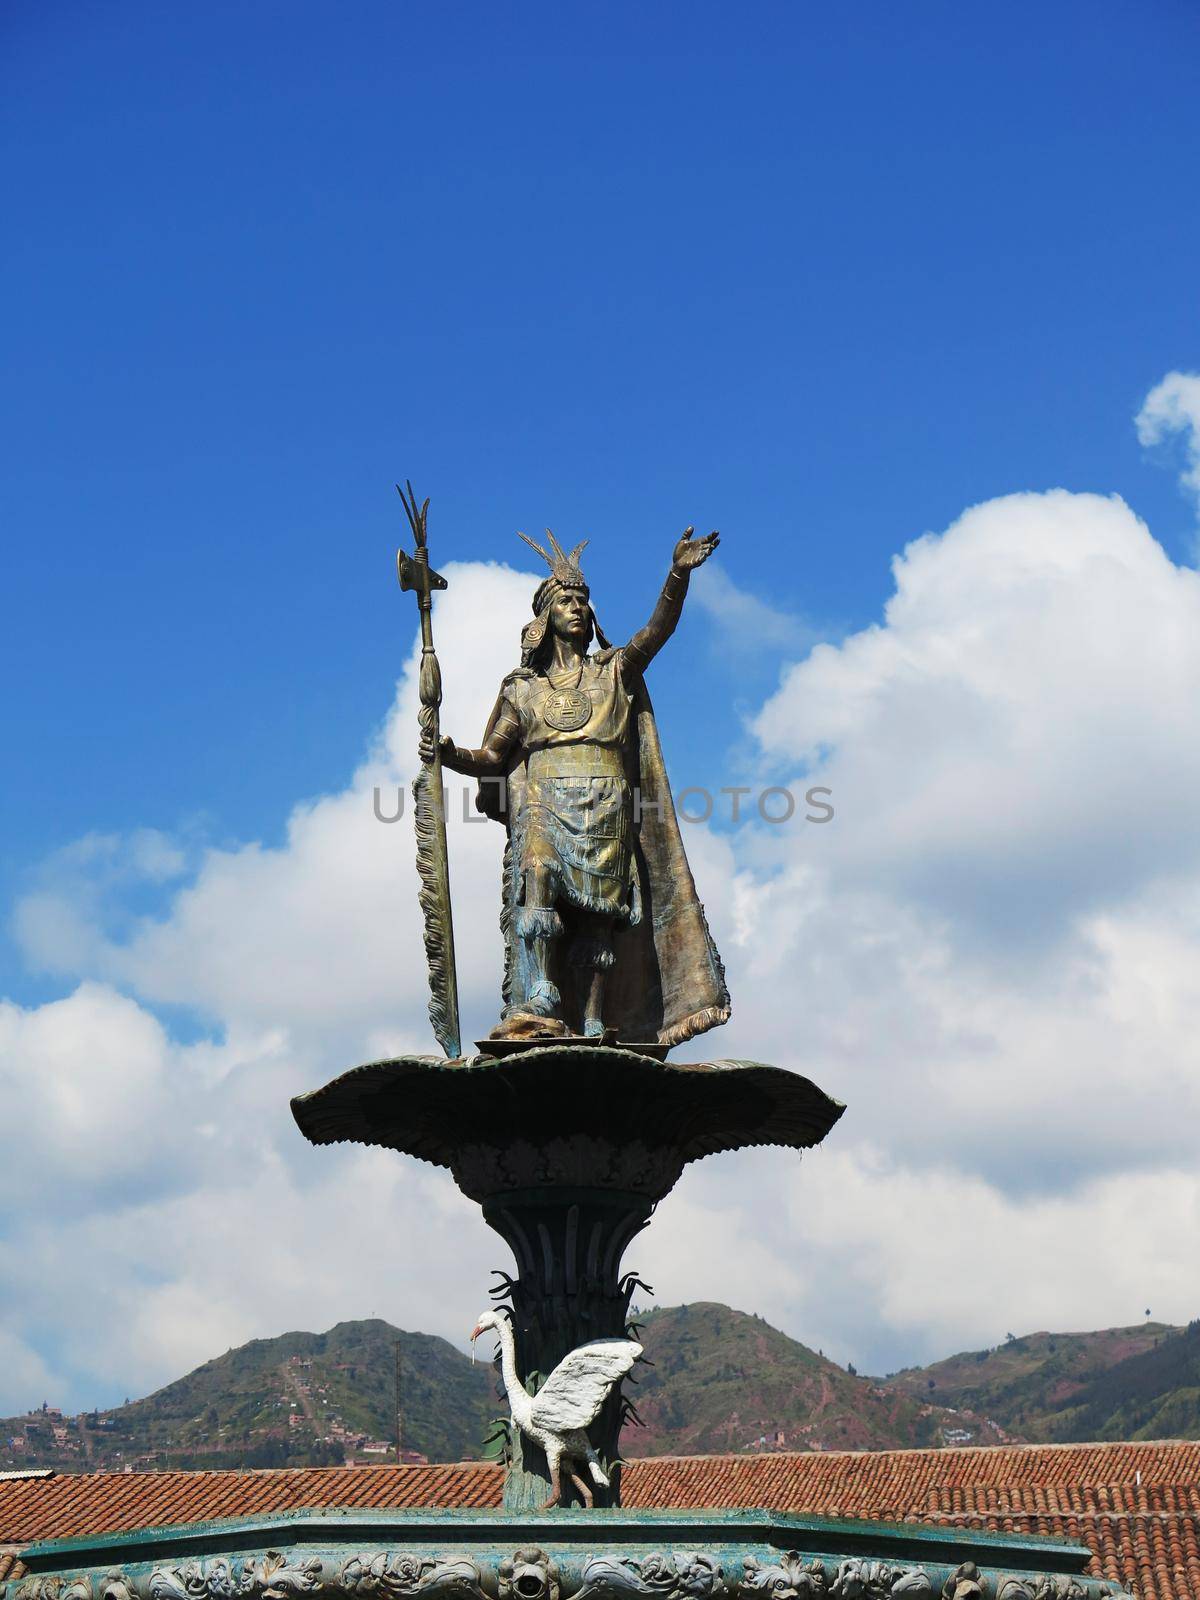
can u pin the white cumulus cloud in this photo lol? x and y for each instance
(1173, 407)
(992, 954)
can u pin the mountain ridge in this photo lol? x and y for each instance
(1032, 1384)
(298, 1399)
(724, 1381)
(715, 1380)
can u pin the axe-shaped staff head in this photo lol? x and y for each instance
(414, 572)
(418, 575)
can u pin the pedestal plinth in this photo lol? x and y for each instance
(567, 1150)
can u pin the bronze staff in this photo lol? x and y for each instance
(429, 797)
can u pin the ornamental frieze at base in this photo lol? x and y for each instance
(564, 1555)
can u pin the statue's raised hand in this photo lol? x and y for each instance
(688, 554)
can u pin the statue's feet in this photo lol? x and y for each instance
(593, 1027)
(518, 1023)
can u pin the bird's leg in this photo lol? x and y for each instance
(594, 1467)
(585, 1493)
(555, 1496)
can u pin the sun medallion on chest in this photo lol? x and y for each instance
(567, 710)
(567, 707)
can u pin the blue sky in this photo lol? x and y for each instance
(822, 277)
(817, 276)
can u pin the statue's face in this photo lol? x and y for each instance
(570, 616)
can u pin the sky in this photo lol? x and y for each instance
(903, 300)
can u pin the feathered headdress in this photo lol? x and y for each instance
(564, 569)
(565, 573)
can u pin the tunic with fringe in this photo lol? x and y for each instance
(577, 818)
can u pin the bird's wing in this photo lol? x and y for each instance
(572, 1395)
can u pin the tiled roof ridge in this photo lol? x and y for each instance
(941, 1451)
(1075, 1513)
(949, 1456)
(209, 1473)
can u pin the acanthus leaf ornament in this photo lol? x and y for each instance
(683, 1575)
(219, 1580)
(270, 1577)
(964, 1584)
(274, 1579)
(861, 1579)
(53, 1587)
(1043, 1587)
(790, 1578)
(39, 1588)
(363, 1574)
(403, 1574)
(167, 1583)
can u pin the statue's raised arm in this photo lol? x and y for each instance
(648, 641)
(604, 933)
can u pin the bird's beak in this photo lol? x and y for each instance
(475, 1332)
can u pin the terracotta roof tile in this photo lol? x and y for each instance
(1136, 1506)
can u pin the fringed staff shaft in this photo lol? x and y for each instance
(429, 796)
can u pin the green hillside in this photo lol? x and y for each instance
(299, 1399)
(1048, 1386)
(722, 1381)
(1154, 1394)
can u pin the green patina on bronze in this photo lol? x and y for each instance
(598, 1555)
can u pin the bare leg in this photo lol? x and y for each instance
(593, 1015)
(539, 924)
(593, 952)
